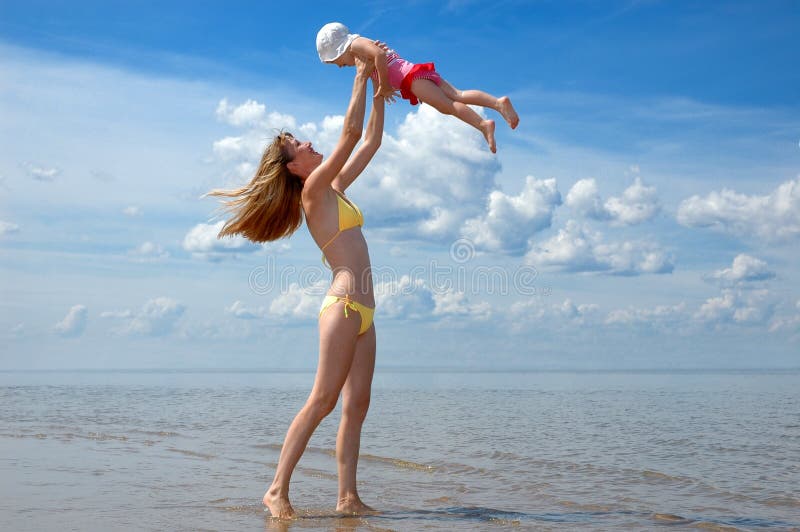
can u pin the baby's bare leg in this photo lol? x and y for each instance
(475, 97)
(430, 93)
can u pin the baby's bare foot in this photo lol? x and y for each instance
(278, 505)
(487, 127)
(507, 110)
(354, 506)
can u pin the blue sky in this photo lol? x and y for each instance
(646, 212)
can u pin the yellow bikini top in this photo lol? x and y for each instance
(349, 216)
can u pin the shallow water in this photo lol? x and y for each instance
(182, 450)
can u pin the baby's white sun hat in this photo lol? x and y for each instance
(333, 40)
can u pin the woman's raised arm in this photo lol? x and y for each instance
(321, 178)
(372, 141)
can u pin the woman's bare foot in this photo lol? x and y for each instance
(487, 128)
(278, 505)
(505, 108)
(354, 506)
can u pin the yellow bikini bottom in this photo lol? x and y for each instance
(366, 312)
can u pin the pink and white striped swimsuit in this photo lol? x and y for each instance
(402, 73)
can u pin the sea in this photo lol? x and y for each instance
(441, 449)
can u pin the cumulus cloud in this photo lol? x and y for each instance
(787, 322)
(745, 269)
(660, 316)
(299, 302)
(452, 303)
(538, 311)
(433, 176)
(578, 249)
(7, 228)
(414, 299)
(775, 216)
(132, 210)
(74, 323)
(259, 126)
(41, 173)
(148, 252)
(157, 317)
(637, 204)
(735, 306)
(240, 311)
(405, 298)
(202, 242)
(510, 221)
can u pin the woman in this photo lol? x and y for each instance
(292, 179)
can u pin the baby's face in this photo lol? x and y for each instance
(346, 59)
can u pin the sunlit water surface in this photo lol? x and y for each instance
(184, 450)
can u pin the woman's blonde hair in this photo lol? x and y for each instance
(269, 207)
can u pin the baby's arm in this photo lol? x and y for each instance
(368, 49)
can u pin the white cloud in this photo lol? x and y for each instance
(434, 175)
(239, 310)
(736, 307)
(577, 249)
(157, 317)
(775, 216)
(260, 128)
(254, 115)
(660, 316)
(116, 314)
(132, 210)
(7, 228)
(202, 242)
(148, 252)
(404, 298)
(788, 323)
(586, 200)
(538, 312)
(74, 323)
(248, 113)
(299, 302)
(637, 204)
(41, 173)
(452, 303)
(745, 269)
(413, 299)
(510, 221)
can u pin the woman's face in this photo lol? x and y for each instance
(302, 157)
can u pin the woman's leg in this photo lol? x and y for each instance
(430, 93)
(337, 346)
(474, 97)
(355, 403)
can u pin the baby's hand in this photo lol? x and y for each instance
(382, 45)
(386, 91)
(390, 99)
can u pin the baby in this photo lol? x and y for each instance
(416, 82)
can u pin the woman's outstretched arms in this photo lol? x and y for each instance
(321, 178)
(372, 141)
